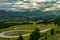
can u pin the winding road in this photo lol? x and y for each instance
(4, 36)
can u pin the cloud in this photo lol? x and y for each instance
(51, 0)
(9, 4)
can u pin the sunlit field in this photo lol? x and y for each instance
(32, 27)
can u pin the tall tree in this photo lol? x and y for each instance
(45, 36)
(20, 37)
(35, 35)
(52, 32)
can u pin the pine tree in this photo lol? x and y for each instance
(52, 32)
(20, 37)
(35, 35)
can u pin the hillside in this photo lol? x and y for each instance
(27, 15)
(5, 16)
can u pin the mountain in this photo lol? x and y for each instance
(28, 15)
(6, 16)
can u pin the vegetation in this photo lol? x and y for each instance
(35, 35)
(52, 31)
(43, 36)
(46, 36)
(6, 25)
(20, 37)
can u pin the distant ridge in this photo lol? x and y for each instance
(28, 15)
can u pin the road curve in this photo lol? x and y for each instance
(4, 36)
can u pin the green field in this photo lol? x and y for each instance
(28, 27)
(32, 27)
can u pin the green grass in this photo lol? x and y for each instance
(32, 27)
(28, 27)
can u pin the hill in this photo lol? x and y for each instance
(28, 15)
(6, 16)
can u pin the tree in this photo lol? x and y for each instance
(45, 22)
(52, 32)
(35, 35)
(20, 37)
(45, 36)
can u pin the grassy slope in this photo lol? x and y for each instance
(28, 27)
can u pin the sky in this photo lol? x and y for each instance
(6, 4)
